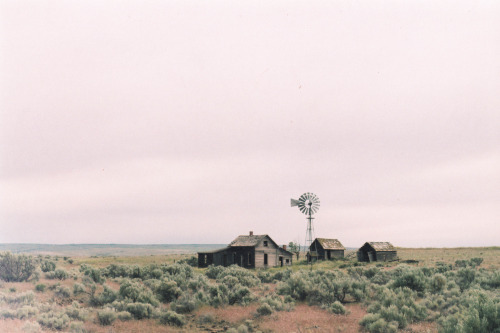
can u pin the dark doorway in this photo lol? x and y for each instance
(265, 258)
(281, 261)
(328, 255)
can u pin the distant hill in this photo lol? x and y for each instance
(86, 250)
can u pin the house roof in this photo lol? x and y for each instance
(253, 240)
(382, 246)
(247, 240)
(215, 251)
(330, 244)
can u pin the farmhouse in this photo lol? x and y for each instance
(326, 249)
(377, 251)
(249, 251)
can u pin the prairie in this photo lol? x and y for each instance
(427, 290)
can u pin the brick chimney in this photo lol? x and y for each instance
(251, 233)
(284, 247)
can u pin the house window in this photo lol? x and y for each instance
(287, 261)
(265, 258)
(265, 243)
(205, 259)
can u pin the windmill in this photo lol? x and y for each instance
(308, 204)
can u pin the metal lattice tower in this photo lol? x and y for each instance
(308, 204)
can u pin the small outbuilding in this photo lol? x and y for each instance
(377, 251)
(249, 251)
(326, 249)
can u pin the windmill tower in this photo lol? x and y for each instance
(308, 204)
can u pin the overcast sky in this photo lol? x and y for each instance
(197, 121)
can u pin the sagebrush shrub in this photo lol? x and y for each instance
(106, 316)
(397, 305)
(16, 268)
(76, 326)
(8, 314)
(76, 312)
(337, 308)
(437, 283)
(47, 266)
(78, 289)
(414, 279)
(172, 318)
(168, 291)
(54, 320)
(27, 298)
(108, 295)
(191, 261)
(124, 315)
(26, 311)
(465, 277)
(62, 292)
(32, 327)
(185, 304)
(137, 292)
(490, 280)
(140, 310)
(93, 273)
(59, 274)
(40, 287)
(264, 309)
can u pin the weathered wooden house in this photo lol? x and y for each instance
(377, 251)
(249, 251)
(326, 249)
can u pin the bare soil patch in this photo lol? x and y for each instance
(307, 318)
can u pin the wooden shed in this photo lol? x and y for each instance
(326, 249)
(377, 251)
(249, 251)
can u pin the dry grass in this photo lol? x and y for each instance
(430, 256)
(138, 260)
(12, 325)
(231, 314)
(313, 319)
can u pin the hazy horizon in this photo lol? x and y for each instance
(192, 123)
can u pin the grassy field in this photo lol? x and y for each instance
(237, 300)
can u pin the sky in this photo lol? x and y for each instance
(151, 122)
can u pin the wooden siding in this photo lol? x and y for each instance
(238, 255)
(386, 255)
(368, 253)
(322, 254)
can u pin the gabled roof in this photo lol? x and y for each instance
(247, 240)
(330, 244)
(382, 246)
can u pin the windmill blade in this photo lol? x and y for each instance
(294, 202)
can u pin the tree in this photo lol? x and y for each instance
(295, 248)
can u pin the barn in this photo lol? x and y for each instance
(377, 251)
(249, 251)
(326, 249)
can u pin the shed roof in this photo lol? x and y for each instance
(382, 246)
(248, 240)
(330, 244)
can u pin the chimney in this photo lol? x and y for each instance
(284, 247)
(251, 233)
